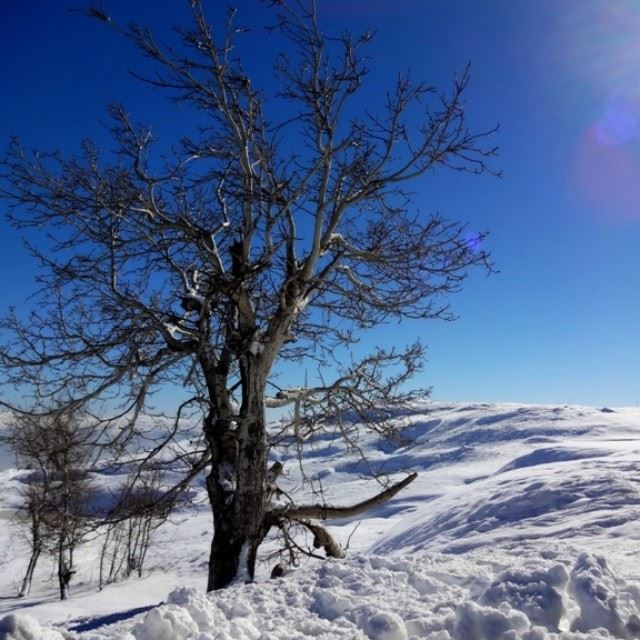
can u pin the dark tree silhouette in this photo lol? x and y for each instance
(277, 234)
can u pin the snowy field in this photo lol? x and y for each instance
(523, 524)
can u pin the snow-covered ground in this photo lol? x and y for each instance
(523, 524)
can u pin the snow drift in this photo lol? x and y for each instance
(523, 525)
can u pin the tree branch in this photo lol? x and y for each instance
(325, 512)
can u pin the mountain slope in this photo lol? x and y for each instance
(522, 525)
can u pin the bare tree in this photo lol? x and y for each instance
(277, 235)
(29, 516)
(25, 440)
(54, 448)
(140, 509)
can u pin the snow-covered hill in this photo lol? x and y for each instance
(522, 525)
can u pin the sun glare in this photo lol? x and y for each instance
(601, 50)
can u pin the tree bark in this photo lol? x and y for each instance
(28, 576)
(325, 512)
(64, 574)
(237, 484)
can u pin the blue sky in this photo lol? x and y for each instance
(560, 322)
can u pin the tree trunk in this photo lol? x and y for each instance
(237, 487)
(64, 575)
(28, 576)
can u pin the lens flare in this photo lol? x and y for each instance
(600, 45)
(619, 122)
(473, 242)
(607, 172)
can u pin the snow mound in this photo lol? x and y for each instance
(169, 622)
(536, 592)
(602, 599)
(22, 627)
(430, 596)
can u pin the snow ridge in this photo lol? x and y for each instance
(522, 525)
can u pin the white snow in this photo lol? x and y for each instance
(523, 524)
(256, 347)
(227, 477)
(169, 622)
(23, 627)
(301, 304)
(193, 294)
(176, 331)
(243, 576)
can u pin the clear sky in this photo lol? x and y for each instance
(560, 323)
